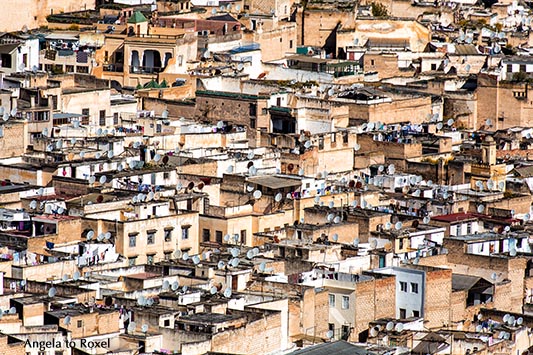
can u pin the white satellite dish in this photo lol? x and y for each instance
(355, 242)
(307, 144)
(67, 320)
(98, 155)
(90, 235)
(196, 260)
(221, 264)
(33, 204)
(52, 292)
(391, 169)
(426, 220)
(335, 237)
(278, 197)
(389, 326)
(336, 220)
(107, 235)
(262, 266)
(227, 292)
(480, 208)
(144, 328)
(398, 225)
(398, 328)
(229, 170)
(175, 285)
(301, 171)
(157, 157)
(103, 179)
(257, 194)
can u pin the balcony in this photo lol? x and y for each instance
(115, 68)
(145, 70)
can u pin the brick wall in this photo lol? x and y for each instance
(17, 348)
(437, 301)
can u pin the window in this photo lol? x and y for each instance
(80, 323)
(180, 60)
(332, 300)
(253, 110)
(333, 137)
(345, 137)
(321, 142)
(345, 302)
(102, 117)
(185, 232)
(133, 241)
(243, 236)
(206, 235)
(253, 122)
(150, 237)
(400, 243)
(433, 66)
(469, 228)
(372, 62)
(218, 236)
(414, 287)
(167, 255)
(403, 313)
(290, 44)
(166, 323)
(403, 286)
(85, 112)
(54, 102)
(6, 60)
(115, 118)
(519, 242)
(149, 259)
(132, 261)
(278, 101)
(416, 314)
(168, 235)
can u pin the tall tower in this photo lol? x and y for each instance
(488, 151)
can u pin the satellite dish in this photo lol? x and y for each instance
(373, 244)
(398, 328)
(301, 172)
(250, 155)
(506, 318)
(52, 292)
(157, 157)
(221, 264)
(262, 266)
(257, 194)
(330, 217)
(33, 204)
(391, 169)
(356, 147)
(501, 185)
(229, 170)
(527, 217)
(479, 328)
(227, 292)
(335, 237)
(166, 285)
(235, 262)
(235, 252)
(330, 334)
(355, 242)
(185, 256)
(480, 208)
(103, 179)
(440, 126)
(164, 114)
(398, 225)
(307, 144)
(331, 204)
(67, 320)
(90, 235)
(389, 326)
(278, 197)
(226, 238)
(196, 260)
(98, 155)
(426, 220)
(520, 321)
(336, 220)
(175, 285)
(250, 254)
(141, 300)
(144, 328)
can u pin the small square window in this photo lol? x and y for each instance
(345, 302)
(403, 286)
(414, 287)
(332, 300)
(150, 238)
(80, 323)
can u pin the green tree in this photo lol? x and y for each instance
(379, 10)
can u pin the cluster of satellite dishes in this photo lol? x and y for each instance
(450, 122)
(11, 310)
(491, 185)
(132, 326)
(389, 327)
(102, 132)
(90, 235)
(151, 196)
(145, 301)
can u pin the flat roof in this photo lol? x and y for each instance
(274, 182)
